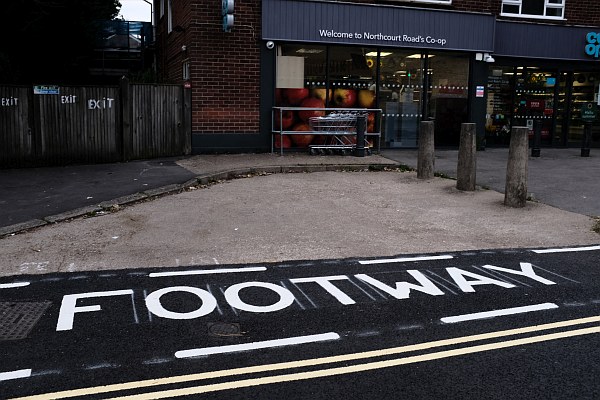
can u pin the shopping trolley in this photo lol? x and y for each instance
(338, 131)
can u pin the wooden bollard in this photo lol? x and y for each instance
(425, 159)
(467, 158)
(515, 193)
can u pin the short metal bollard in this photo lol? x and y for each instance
(586, 142)
(361, 127)
(537, 138)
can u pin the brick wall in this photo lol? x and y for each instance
(583, 12)
(225, 67)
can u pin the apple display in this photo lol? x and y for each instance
(321, 93)
(286, 117)
(344, 97)
(311, 102)
(371, 122)
(287, 142)
(302, 140)
(366, 98)
(295, 96)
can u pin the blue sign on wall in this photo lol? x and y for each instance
(592, 46)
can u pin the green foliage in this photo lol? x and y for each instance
(49, 41)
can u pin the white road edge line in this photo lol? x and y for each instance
(206, 271)
(498, 313)
(406, 259)
(13, 285)
(567, 250)
(21, 373)
(257, 345)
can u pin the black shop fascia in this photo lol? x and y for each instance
(413, 64)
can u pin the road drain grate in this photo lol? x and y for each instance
(18, 318)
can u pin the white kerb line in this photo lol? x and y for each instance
(567, 250)
(498, 313)
(406, 259)
(206, 271)
(205, 351)
(13, 285)
(21, 373)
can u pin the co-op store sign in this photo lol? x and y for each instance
(392, 39)
(592, 46)
(376, 24)
(206, 302)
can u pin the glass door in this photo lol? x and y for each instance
(400, 96)
(448, 95)
(584, 94)
(535, 100)
(499, 110)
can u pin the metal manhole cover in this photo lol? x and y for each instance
(224, 329)
(18, 318)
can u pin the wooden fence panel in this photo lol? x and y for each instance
(79, 125)
(65, 124)
(156, 123)
(16, 144)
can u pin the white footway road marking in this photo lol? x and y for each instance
(498, 313)
(207, 272)
(405, 259)
(257, 345)
(21, 373)
(567, 250)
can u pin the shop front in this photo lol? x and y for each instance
(551, 80)
(413, 64)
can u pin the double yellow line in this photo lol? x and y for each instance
(333, 370)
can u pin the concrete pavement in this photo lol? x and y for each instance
(559, 177)
(343, 208)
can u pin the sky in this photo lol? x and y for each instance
(135, 10)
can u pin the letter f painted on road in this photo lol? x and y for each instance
(69, 307)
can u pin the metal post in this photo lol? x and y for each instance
(426, 157)
(361, 127)
(537, 138)
(515, 193)
(587, 139)
(467, 160)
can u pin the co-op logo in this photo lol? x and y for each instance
(592, 48)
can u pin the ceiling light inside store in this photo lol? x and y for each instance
(418, 55)
(309, 51)
(374, 54)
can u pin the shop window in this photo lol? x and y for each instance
(534, 100)
(499, 110)
(550, 9)
(312, 76)
(352, 72)
(584, 94)
(300, 81)
(448, 94)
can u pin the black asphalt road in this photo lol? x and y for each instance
(518, 324)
